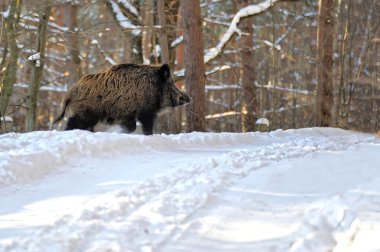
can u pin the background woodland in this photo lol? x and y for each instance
(296, 63)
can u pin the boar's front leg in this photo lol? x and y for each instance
(147, 121)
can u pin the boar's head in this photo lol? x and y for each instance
(172, 96)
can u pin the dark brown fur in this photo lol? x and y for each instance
(122, 94)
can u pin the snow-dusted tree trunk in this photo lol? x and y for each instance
(9, 77)
(194, 64)
(325, 44)
(37, 68)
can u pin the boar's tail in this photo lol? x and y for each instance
(59, 118)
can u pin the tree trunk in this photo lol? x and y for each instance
(194, 65)
(178, 55)
(165, 120)
(163, 36)
(248, 78)
(71, 21)
(146, 37)
(37, 69)
(342, 105)
(9, 77)
(324, 100)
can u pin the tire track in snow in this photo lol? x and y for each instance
(143, 217)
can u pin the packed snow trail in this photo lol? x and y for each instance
(115, 192)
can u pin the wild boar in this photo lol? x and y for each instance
(121, 95)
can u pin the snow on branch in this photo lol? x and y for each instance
(106, 57)
(121, 15)
(36, 58)
(233, 28)
(5, 14)
(128, 6)
(263, 121)
(177, 41)
(6, 119)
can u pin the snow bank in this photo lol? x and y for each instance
(144, 216)
(26, 157)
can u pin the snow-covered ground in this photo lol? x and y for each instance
(296, 190)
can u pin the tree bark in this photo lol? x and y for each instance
(37, 69)
(163, 36)
(342, 105)
(248, 78)
(194, 65)
(324, 100)
(146, 37)
(9, 77)
(71, 21)
(165, 120)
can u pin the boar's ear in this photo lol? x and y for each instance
(165, 72)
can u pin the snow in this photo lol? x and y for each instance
(222, 87)
(263, 121)
(121, 18)
(43, 88)
(314, 189)
(129, 7)
(249, 10)
(58, 28)
(233, 28)
(275, 46)
(6, 119)
(177, 41)
(5, 13)
(37, 58)
(105, 55)
(224, 114)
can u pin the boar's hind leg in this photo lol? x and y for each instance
(147, 122)
(79, 122)
(129, 126)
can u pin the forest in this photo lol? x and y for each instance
(249, 65)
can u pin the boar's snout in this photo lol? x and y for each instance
(184, 99)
